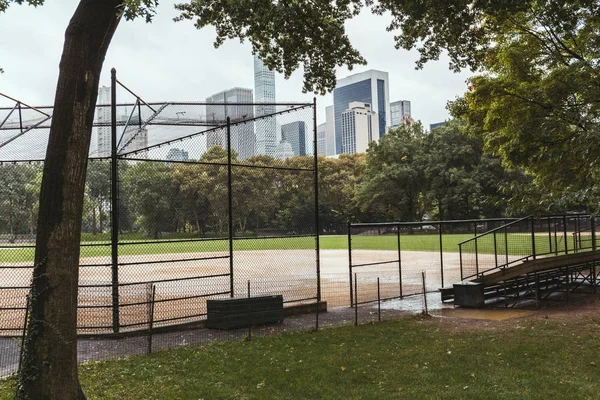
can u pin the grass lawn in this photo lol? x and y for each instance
(409, 358)
(518, 244)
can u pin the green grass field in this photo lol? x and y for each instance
(518, 244)
(409, 358)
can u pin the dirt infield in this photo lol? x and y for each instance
(291, 273)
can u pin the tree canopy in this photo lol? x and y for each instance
(537, 103)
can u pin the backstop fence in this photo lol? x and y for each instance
(184, 202)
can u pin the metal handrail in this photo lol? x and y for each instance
(495, 229)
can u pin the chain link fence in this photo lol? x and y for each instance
(184, 202)
(408, 258)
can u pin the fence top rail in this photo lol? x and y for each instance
(462, 221)
(174, 103)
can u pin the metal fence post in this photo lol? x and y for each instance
(350, 261)
(424, 293)
(249, 314)
(461, 263)
(549, 237)
(399, 259)
(593, 229)
(114, 239)
(316, 179)
(565, 234)
(230, 208)
(378, 301)
(441, 257)
(506, 243)
(533, 237)
(355, 300)
(151, 318)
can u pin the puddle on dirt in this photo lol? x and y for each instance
(490, 315)
(416, 304)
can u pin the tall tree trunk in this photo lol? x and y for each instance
(49, 369)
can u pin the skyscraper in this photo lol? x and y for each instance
(103, 117)
(371, 87)
(400, 112)
(294, 134)
(242, 134)
(329, 132)
(359, 126)
(322, 139)
(132, 135)
(264, 92)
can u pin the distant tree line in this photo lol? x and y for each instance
(409, 175)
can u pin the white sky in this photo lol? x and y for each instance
(168, 61)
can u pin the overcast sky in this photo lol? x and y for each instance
(168, 61)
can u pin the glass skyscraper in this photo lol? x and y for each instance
(370, 87)
(242, 134)
(294, 134)
(264, 92)
(400, 112)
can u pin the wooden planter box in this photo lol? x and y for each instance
(239, 313)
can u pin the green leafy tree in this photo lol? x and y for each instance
(17, 199)
(98, 190)
(535, 101)
(338, 180)
(150, 190)
(394, 175)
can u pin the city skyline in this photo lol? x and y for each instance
(155, 61)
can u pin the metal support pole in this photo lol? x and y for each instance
(378, 301)
(424, 293)
(230, 208)
(151, 318)
(593, 229)
(355, 300)
(139, 107)
(114, 195)
(20, 118)
(549, 237)
(476, 259)
(533, 237)
(350, 262)
(555, 238)
(441, 257)
(506, 243)
(461, 263)
(399, 259)
(249, 315)
(316, 183)
(565, 234)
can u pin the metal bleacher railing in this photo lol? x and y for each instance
(528, 238)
